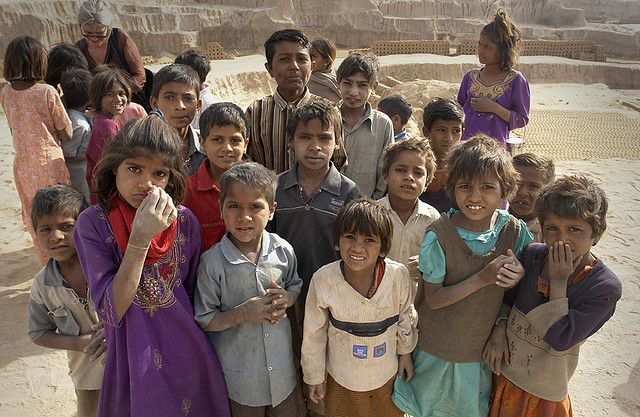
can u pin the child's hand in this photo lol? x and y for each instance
(497, 348)
(482, 104)
(414, 270)
(405, 367)
(155, 214)
(258, 310)
(560, 262)
(511, 272)
(94, 342)
(316, 392)
(489, 274)
(281, 300)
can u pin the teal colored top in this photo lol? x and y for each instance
(441, 388)
(432, 262)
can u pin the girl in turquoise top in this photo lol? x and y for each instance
(480, 175)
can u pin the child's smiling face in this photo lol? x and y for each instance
(359, 252)
(478, 198)
(114, 101)
(224, 146)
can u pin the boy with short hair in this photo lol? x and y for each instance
(289, 64)
(61, 315)
(175, 94)
(399, 111)
(367, 131)
(310, 195)
(223, 139)
(443, 122)
(202, 66)
(407, 169)
(245, 283)
(75, 83)
(535, 172)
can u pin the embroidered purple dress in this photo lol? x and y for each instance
(511, 93)
(159, 363)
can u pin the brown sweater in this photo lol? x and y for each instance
(130, 53)
(467, 323)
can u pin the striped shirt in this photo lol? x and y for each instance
(268, 129)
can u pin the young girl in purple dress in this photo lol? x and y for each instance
(495, 98)
(139, 251)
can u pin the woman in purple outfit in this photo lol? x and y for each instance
(139, 251)
(495, 98)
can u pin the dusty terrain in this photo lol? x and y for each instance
(586, 127)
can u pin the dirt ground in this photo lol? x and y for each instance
(585, 127)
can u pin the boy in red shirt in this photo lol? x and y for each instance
(223, 137)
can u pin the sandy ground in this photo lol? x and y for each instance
(34, 381)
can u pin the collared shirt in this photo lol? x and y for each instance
(306, 222)
(355, 362)
(365, 143)
(55, 306)
(401, 136)
(195, 157)
(203, 199)
(257, 359)
(268, 122)
(408, 237)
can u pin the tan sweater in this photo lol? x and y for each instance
(467, 323)
(357, 363)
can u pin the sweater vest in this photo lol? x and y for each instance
(459, 332)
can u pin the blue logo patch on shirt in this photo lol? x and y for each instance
(379, 350)
(360, 352)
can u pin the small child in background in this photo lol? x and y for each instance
(399, 111)
(75, 84)
(357, 328)
(224, 140)
(366, 130)
(110, 93)
(245, 284)
(407, 169)
(175, 93)
(310, 195)
(202, 66)
(60, 313)
(323, 81)
(496, 98)
(468, 259)
(443, 122)
(566, 295)
(535, 172)
(38, 123)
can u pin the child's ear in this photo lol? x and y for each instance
(199, 105)
(425, 132)
(153, 102)
(374, 85)
(268, 67)
(273, 210)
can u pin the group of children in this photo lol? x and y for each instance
(314, 297)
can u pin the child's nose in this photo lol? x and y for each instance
(57, 234)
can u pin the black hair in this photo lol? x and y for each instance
(357, 62)
(223, 114)
(179, 73)
(63, 56)
(396, 106)
(75, 84)
(57, 198)
(285, 35)
(195, 60)
(441, 109)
